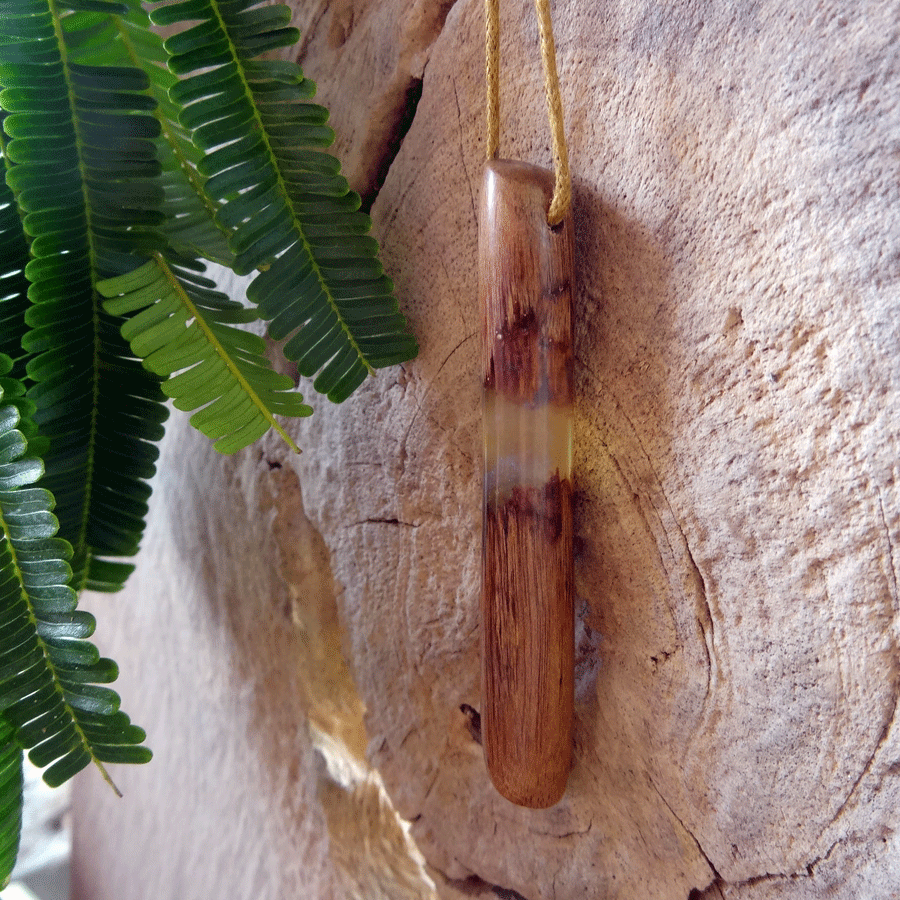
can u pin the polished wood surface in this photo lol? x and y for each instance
(525, 275)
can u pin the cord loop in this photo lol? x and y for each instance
(562, 189)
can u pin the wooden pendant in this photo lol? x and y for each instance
(525, 288)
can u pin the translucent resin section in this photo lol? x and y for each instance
(524, 446)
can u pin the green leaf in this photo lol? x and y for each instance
(191, 228)
(14, 255)
(11, 792)
(48, 673)
(184, 330)
(286, 209)
(86, 180)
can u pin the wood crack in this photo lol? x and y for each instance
(462, 154)
(715, 873)
(705, 619)
(384, 521)
(892, 567)
(565, 834)
(895, 695)
(476, 886)
(405, 112)
(769, 877)
(431, 382)
(398, 108)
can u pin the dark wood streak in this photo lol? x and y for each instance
(525, 286)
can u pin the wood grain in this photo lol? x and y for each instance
(738, 494)
(527, 586)
(525, 270)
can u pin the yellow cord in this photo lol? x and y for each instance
(562, 189)
(492, 75)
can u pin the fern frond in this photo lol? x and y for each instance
(85, 179)
(288, 210)
(184, 325)
(14, 304)
(191, 227)
(50, 677)
(14, 256)
(11, 796)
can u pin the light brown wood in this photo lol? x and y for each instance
(737, 502)
(525, 279)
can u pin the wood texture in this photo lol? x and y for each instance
(528, 643)
(525, 289)
(525, 286)
(737, 511)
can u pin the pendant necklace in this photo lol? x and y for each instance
(526, 264)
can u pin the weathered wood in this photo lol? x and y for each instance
(737, 512)
(525, 289)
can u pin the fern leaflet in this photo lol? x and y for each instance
(191, 227)
(84, 176)
(50, 677)
(185, 324)
(14, 254)
(288, 210)
(11, 787)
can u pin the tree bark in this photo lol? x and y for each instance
(737, 527)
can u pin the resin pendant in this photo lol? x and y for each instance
(525, 288)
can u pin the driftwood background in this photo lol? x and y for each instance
(301, 632)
